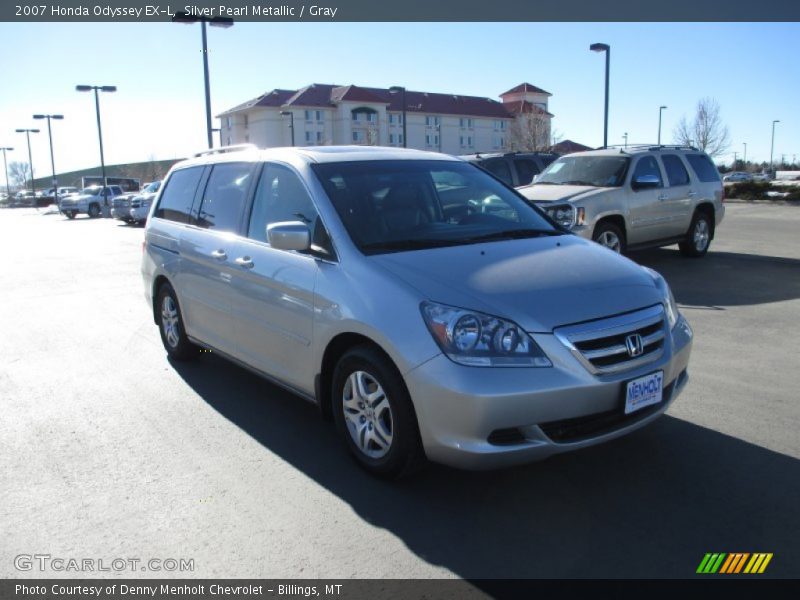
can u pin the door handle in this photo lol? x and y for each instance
(692, 194)
(662, 197)
(219, 255)
(245, 262)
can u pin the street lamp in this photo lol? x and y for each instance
(744, 160)
(290, 114)
(99, 88)
(183, 17)
(607, 49)
(400, 89)
(5, 165)
(660, 108)
(28, 133)
(735, 159)
(625, 136)
(772, 144)
(52, 160)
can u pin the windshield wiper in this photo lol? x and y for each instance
(420, 244)
(547, 183)
(514, 234)
(579, 182)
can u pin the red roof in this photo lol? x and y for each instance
(523, 106)
(327, 95)
(568, 147)
(525, 87)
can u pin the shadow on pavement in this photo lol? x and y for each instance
(648, 505)
(725, 278)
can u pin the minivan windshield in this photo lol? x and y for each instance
(398, 205)
(93, 190)
(595, 171)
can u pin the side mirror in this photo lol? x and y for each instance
(644, 182)
(535, 178)
(289, 235)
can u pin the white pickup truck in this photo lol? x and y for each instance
(89, 201)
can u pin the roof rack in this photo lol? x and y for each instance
(224, 149)
(631, 146)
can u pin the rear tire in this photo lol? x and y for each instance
(374, 414)
(698, 238)
(610, 236)
(170, 326)
(94, 211)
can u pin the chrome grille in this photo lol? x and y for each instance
(120, 202)
(618, 343)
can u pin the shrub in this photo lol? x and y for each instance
(748, 190)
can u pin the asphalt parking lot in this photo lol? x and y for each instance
(108, 450)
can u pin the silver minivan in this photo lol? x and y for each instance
(423, 305)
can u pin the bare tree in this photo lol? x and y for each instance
(19, 173)
(530, 132)
(706, 132)
(371, 135)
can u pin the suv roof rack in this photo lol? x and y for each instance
(224, 149)
(651, 147)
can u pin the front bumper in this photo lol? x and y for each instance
(139, 214)
(459, 408)
(122, 213)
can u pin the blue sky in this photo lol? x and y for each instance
(159, 111)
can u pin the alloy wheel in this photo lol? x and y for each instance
(610, 240)
(368, 414)
(700, 235)
(169, 321)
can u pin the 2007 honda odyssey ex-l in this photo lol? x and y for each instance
(422, 304)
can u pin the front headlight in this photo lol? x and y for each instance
(670, 306)
(479, 340)
(567, 215)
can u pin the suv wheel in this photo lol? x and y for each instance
(170, 325)
(94, 211)
(610, 235)
(699, 237)
(70, 214)
(374, 414)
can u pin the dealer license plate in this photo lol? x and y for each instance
(644, 391)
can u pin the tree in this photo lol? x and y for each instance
(530, 132)
(706, 132)
(19, 173)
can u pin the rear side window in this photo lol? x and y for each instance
(225, 196)
(526, 169)
(705, 170)
(676, 172)
(499, 169)
(176, 199)
(280, 196)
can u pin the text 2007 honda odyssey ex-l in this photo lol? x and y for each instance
(419, 301)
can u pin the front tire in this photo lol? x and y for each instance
(698, 239)
(94, 211)
(610, 236)
(70, 214)
(374, 414)
(170, 326)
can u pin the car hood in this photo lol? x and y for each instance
(78, 197)
(553, 193)
(539, 283)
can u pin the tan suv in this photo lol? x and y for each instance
(635, 197)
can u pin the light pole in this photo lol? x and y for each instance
(607, 49)
(5, 165)
(100, 88)
(183, 17)
(625, 136)
(394, 90)
(28, 133)
(660, 109)
(52, 160)
(735, 158)
(772, 145)
(744, 160)
(290, 114)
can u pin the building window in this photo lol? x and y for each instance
(431, 140)
(358, 136)
(431, 120)
(308, 137)
(308, 115)
(229, 141)
(372, 117)
(501, 125)
(246, 121)
(247, 138)
(229, 122)
(320, 116)
(319, 137)
(465, 123)
(395, 119)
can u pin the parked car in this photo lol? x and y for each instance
(140, 205)
(424, 306)
(636, 197)
(737, 177)
(762, 177)
(24, 198)
(88, 201)
(513, 168)
(121, 207)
